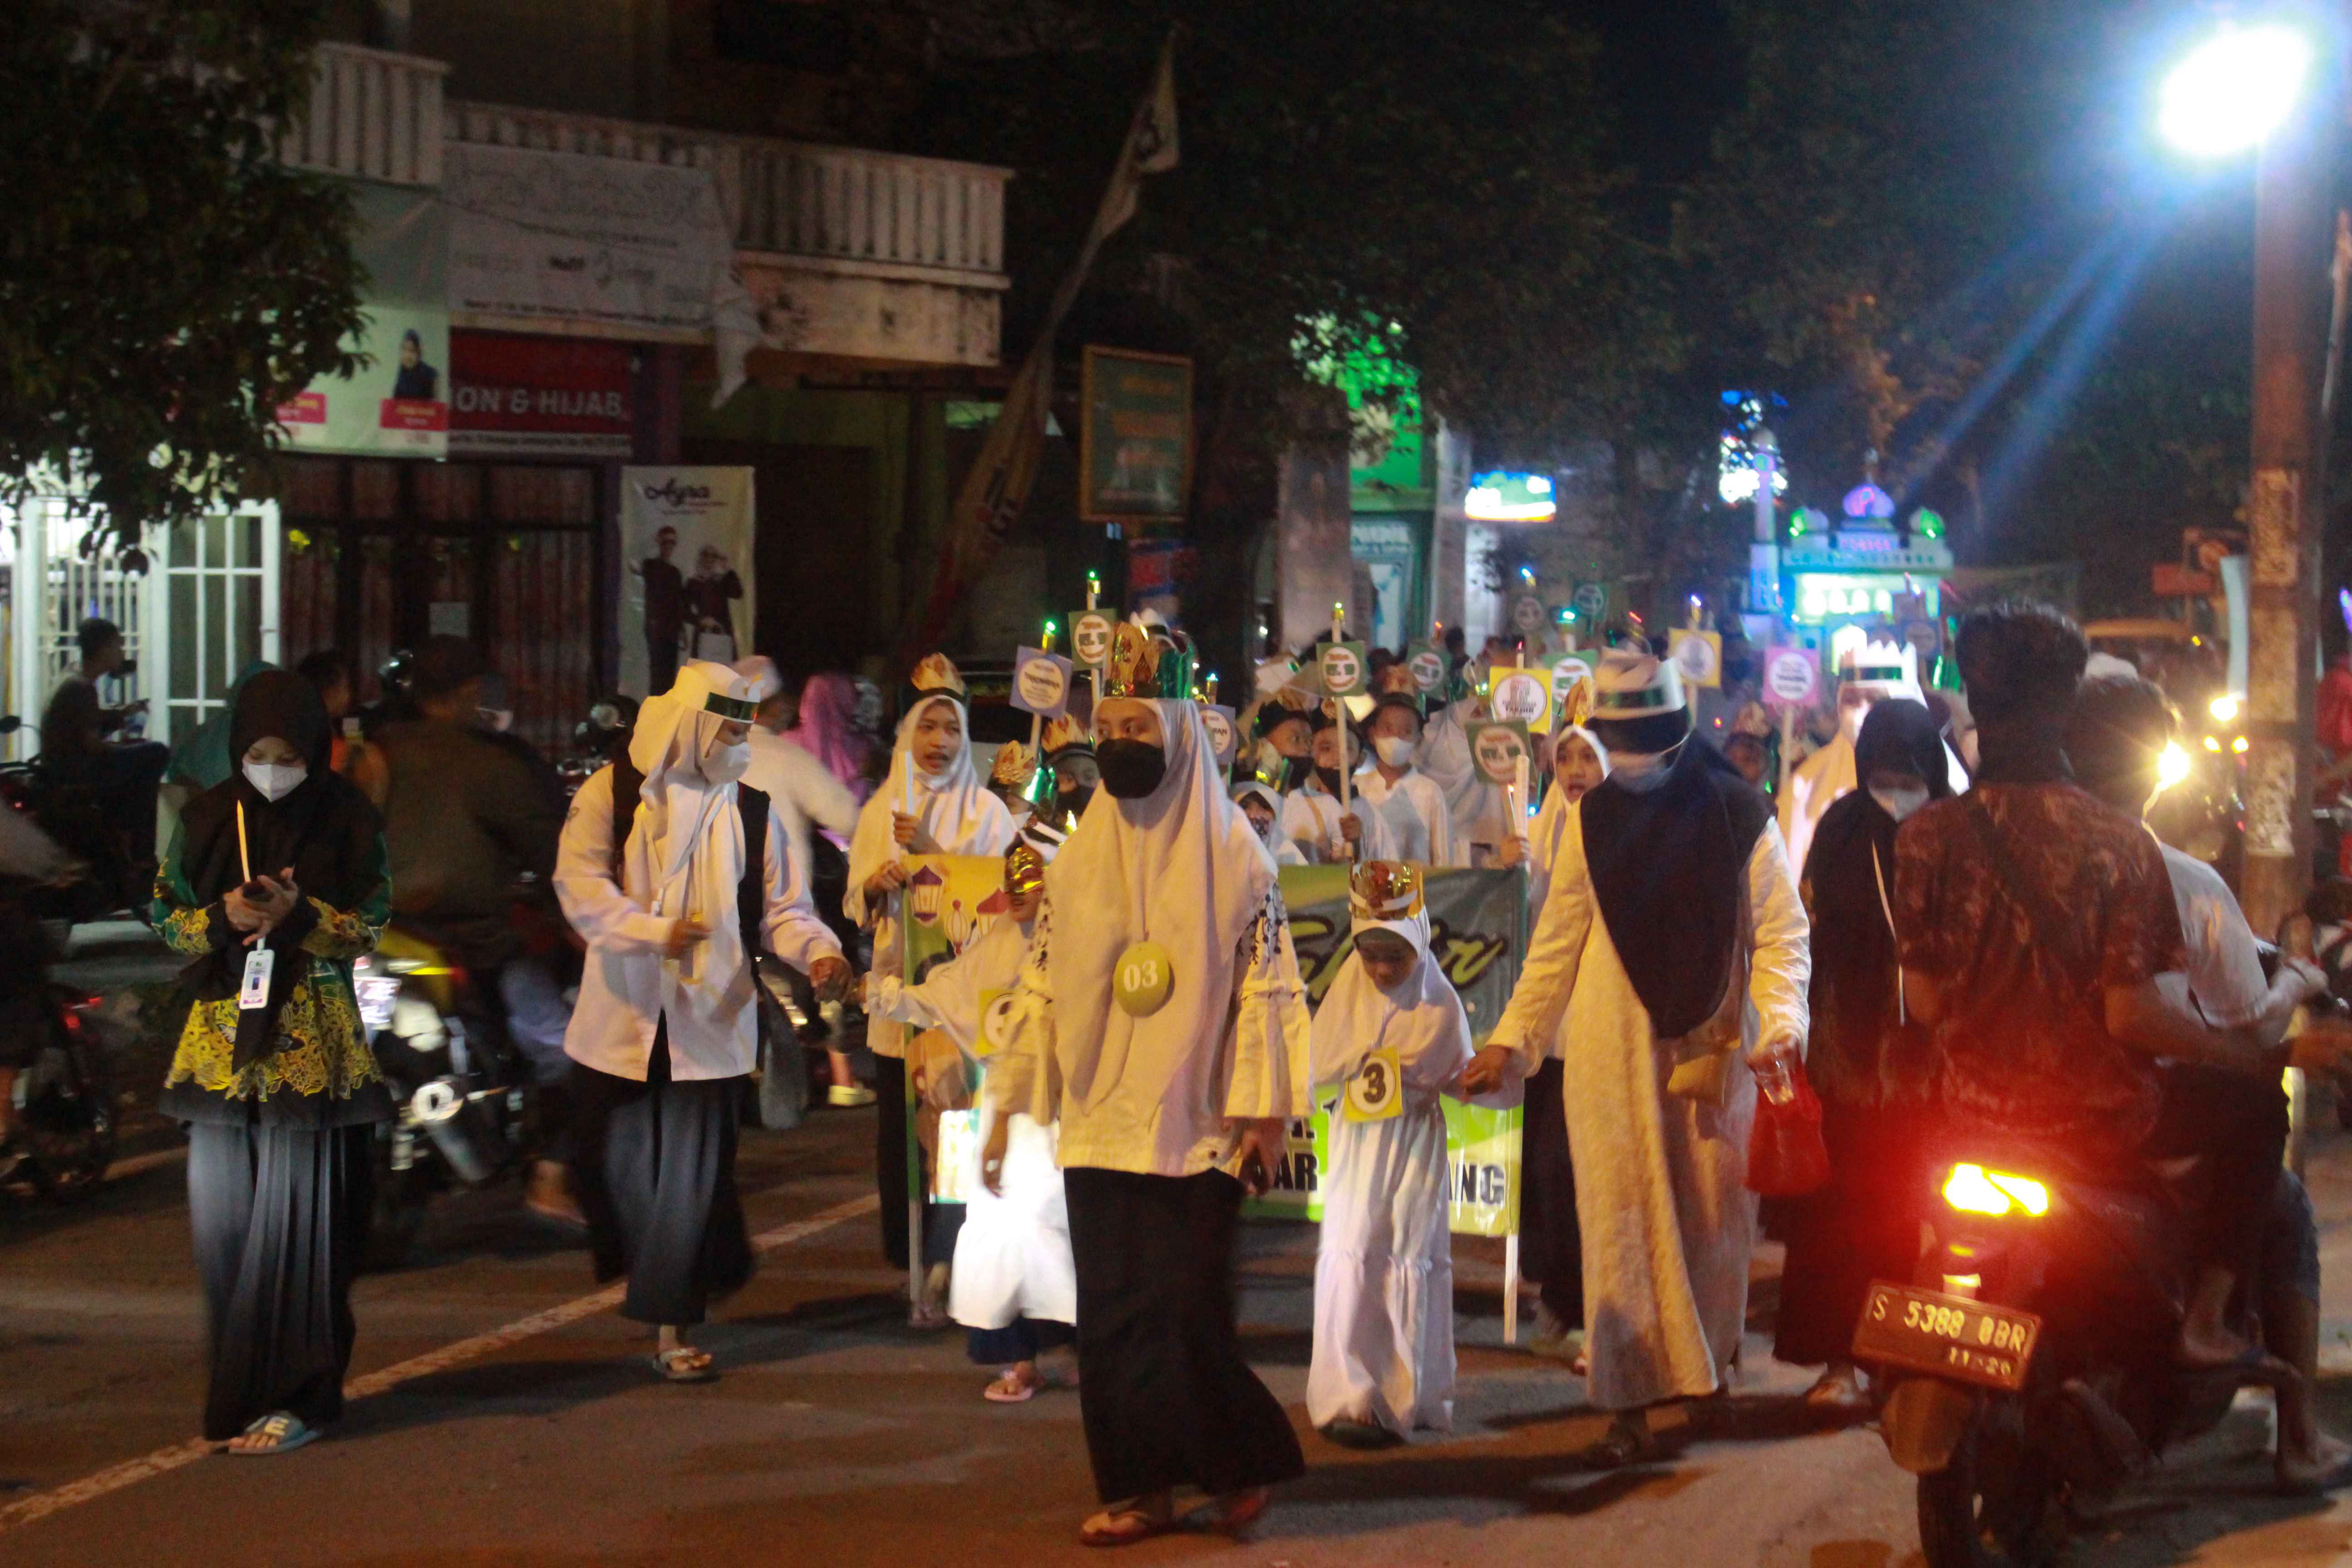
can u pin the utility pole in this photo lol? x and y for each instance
(2284, 510)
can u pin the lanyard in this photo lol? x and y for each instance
(1902, 1014)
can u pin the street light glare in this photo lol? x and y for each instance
(2233, 90)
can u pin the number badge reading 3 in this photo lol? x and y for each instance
(1140, 983)
(1376, 1092)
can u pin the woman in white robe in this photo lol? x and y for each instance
(1390, 1032)
(1708, 931)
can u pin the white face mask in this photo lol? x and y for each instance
(276, 781)
(725, 765)
(1639, 771)
(1899, 804)
(1397, 750)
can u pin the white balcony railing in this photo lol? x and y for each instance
(873, 212)
(372, 116)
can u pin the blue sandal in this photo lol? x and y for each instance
(287, 1431)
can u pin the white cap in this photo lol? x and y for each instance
(1632, 685)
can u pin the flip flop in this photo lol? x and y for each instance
(1124, 1526)
(289, 1430)
(1618, 1449)
(1236, 1511)
(1005, 1390)
(678, 1364)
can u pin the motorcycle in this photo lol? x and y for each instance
(2027, 1367)
(114, 878)
(467, 1104)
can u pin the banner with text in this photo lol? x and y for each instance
(512, 393)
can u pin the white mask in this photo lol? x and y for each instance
(1397, 750)
(1899, 804)
(1640, 772)
(276, 781)
(725, 765)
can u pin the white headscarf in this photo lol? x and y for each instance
(1551, 824)
(954, 809)
(760, 670)
(1180, 866)
(685, 848)
(1421, 1020)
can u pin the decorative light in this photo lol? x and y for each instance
(1867, 499)
(1928, 524)
(2233, 90)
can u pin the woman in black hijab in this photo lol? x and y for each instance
(274, 883)
(1868, 1064)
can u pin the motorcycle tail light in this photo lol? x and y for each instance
(1972, 1189)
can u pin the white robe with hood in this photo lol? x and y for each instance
(1385, 1267)
(1661, 1181)
(955, 814)
(1421, 823)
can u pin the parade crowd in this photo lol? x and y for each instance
(1950, 924)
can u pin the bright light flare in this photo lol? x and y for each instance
(2224, 707)
(2172, 766)
(1972, 1189)
(2234, 89)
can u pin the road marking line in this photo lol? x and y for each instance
(131, 1472)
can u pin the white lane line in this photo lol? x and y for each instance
(131, 1472)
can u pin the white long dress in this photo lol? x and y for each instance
(1661, 1181)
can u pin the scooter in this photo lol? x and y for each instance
(2028, 1363)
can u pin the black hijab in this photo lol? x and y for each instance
(1852, 991)
(324, 828)
(1667, 866)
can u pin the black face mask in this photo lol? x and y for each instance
(1331, 777)
(1072, 803)
(1294, 772)
(1130, 769)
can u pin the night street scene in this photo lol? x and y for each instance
(1286, 783)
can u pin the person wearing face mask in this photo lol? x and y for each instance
(1162, 1022)
(1669, 962)
(1313, 819)
(1069, 750)
(1390, 1039)
(1550, 1244)
(932, 803)
(1866, 1060)
(1421, 824)
(274, 883)
(677, 875)
(1286, 739)
(1865, 676)
(1263, 806)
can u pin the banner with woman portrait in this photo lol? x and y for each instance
(687, 588)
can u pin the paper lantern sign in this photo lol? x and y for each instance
(1521, 696)
(1792, 678)
(1218, 720)
(1090, 635)
(1528, 615)
(995, 1023)
(1572, 688)
(1698, 654)
(1346, 671)
(1592, 602)
(1427, 664)
(1498, 749)
(1041, 682)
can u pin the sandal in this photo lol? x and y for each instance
(1125, 1525)
(1622, 1446)
(285, 1430)
(927, 1317)
(1236, 1511)
(1013, 1389)
(684, 1364)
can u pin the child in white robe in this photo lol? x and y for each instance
(1014, 1285)
(1393, 1035)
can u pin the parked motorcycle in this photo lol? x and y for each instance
(115, 878)
(2029, 1363)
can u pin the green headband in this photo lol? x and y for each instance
(1649, 700)
(734, 708)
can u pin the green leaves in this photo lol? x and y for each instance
(168, 283)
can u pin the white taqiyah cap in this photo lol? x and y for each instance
(1632, 685)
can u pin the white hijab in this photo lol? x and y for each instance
(1551, 826)
(684, 855)
(954, 810)
(1421, 1020)
(1180, 866)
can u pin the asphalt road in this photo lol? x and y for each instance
(503, 1415)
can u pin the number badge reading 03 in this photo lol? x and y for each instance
(260, 965)
(1139, 985)
(1375, 1093)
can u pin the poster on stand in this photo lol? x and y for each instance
(687, 589)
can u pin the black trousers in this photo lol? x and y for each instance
(1022, 1339)
(1551, 1245)
(2236, 1125)
(279, 1216)
(1167, 1397)
(655, 1169)
(1863, 1225)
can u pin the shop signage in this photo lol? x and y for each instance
(1135, 434)
(509, 393)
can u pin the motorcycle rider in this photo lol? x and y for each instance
(2033, 924)
(467, 817)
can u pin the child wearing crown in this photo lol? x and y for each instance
(1391, 1036)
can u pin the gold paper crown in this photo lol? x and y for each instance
(937, 676)
(1143, 666)
(1015, 766)
(1065, 734)
(1384, 890)
(1024, 869)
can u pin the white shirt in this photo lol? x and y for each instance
(622, 983)
(803, 789)
(1310, 819)
(1417, 815)
(2225, 968)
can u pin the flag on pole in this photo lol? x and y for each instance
(997, 488)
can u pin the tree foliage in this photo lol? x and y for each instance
(164, 283)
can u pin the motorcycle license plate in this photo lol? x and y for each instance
(1950, 1336)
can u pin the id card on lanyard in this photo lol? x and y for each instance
(261, 963)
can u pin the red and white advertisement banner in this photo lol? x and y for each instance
(513, 395)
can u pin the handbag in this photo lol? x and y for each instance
(1785, 1156)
